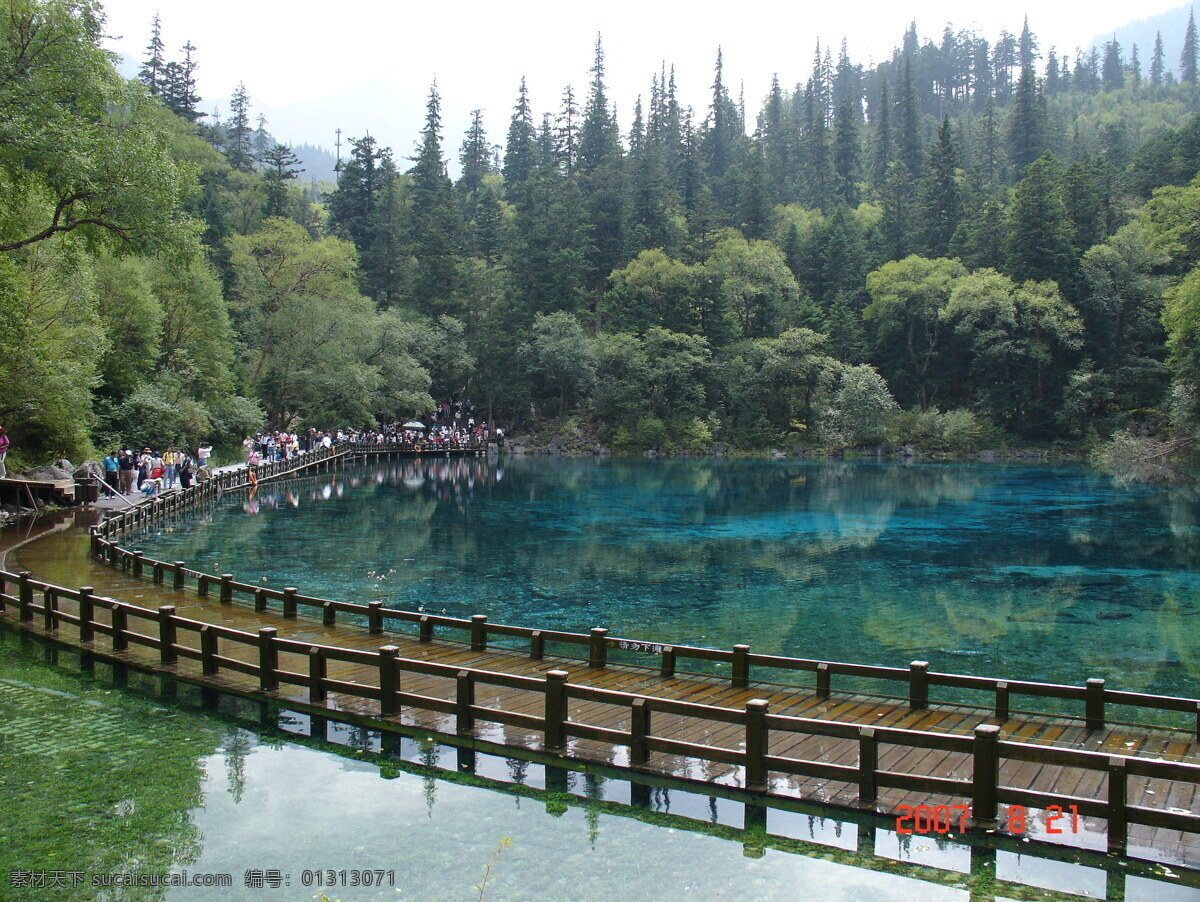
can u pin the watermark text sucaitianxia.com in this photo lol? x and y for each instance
(69, 879)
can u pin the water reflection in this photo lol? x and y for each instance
(99, 780)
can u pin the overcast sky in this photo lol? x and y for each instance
(367, 64)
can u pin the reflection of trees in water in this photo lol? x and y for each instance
(94, 781)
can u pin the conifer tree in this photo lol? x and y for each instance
(910, 135)
(1188, 59)
(520, 151)
(1112, 71)
(1039, 241)
(940, 200)
(1157, 64)
(364, 210)
(601, 180)
(238, 136)
(281, 166)
(1026, 123)
(567, 138)
(883, 138)
(151, 73)
(178, 86)
(847, 150)
(475, 157)
(435, 226)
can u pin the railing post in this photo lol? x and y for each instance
(208, 650)
(985, 776)
(918, 685)
(822, 680)
(120, 625)
(86, 613)
(316, 674)
(137, 563)
(424, 629)
(868, 766)
(289, 601)
(178, 583)
(1094, 704)
(740, 676)
(537, 650)
(1198, 720)
(556, 710)
(1002, 710)
(756, 743)
(268, 659)
(260, 600)
(465, 700)
(25, 596)
(202, 585)
(1118, 798)
(389, 681)
(597, 651)
(375, 617)
(639, 732)
(478, 632)
(226, 588)
(328, 614)
(158, 569)
(668, 662)
(95, 532)
(166, 634)
(49, 610)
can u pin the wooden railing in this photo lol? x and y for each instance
(176, 638)
(914, 682)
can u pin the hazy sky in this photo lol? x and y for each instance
(367, 64)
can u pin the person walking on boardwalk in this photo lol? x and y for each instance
(127, 465)
(203, 453)
(112, 473)
(4, 442)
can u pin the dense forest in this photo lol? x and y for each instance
(972, 243)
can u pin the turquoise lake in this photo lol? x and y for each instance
(1041, 572)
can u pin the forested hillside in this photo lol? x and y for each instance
(979, 240)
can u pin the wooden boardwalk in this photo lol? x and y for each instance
(704, 745)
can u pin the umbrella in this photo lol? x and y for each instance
(413, 424)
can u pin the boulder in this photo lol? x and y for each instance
(47, 474)
(776, 454)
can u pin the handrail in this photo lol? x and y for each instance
(984, 746)
(916, 678)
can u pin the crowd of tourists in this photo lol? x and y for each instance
(151, 472)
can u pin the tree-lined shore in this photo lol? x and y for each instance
(975, 242)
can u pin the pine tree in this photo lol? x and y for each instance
(151, 73)
(262, 139)
(475, 157)
(754, 208)
(568, 132)
(910, 124)
(282, 166)
(1157, 63)
(883, 139)
(1187, 59)
(238, 140)
(1027, 47)
(178, 85)
(435, 229)
(940, 197)
(1026, 123)
(847, 150)
(364, 209)
(1112, 72)
(1135, 69)
(1039, 241)
(520, 151)
(601, 180)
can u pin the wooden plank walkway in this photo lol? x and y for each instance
(706, 745)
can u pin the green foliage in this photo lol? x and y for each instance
(858, 410)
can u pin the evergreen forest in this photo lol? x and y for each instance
(978, 242)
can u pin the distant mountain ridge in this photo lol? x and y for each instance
(1172, 25)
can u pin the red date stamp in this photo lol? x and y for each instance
(945, 818)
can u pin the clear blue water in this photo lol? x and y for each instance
(1039, 572)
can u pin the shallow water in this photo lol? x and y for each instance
(99, 780)
(1050, 573)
